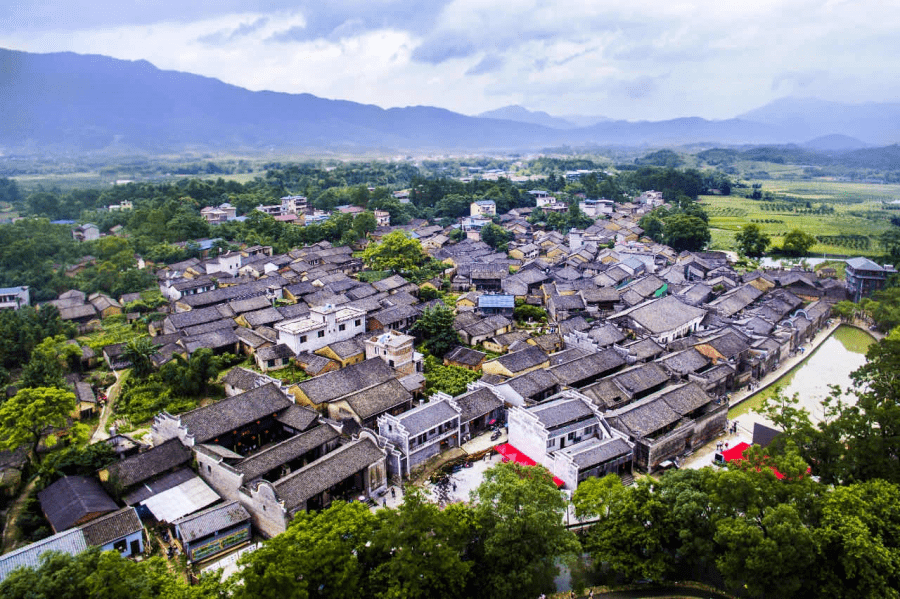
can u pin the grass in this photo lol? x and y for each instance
(853, 228)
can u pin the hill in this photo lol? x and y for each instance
(806, 118)
(64, 103)
(523, 115)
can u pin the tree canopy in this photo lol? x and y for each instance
(435, 326)
(396, 252)
(25, 416)
(752, 241)
(797, 243)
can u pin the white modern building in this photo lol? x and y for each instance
(325, 325)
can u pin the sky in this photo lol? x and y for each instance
(634, 59)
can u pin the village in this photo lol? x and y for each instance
(590, 352)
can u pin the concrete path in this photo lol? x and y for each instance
(111, 395)
(704, 456)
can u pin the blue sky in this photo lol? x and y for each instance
(640, 59)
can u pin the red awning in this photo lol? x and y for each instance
(511, 454)
(737, 453)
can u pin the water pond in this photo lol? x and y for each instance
(830, 364)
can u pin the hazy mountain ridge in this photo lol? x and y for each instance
(66, 102)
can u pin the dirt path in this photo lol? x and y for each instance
(9, 530)
(111, 394)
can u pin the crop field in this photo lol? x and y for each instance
(845, 218)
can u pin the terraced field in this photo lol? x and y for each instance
(846, 218)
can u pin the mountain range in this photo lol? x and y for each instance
(70, 103)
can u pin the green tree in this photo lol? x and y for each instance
(684, 232)
(435, 326)
(751, 240)
(495, 236)
(396, 252)
(363, 224)
(524, 312)
(49, 361)
(26, 415)
(190, 378)
(653, 226)
(140, 351)
(417, 552)
(797, 243)
(634, 529)
(321, 555)
(520, 507)
(94, 574)
(857, 543)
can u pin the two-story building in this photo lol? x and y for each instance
(397, 350)
(423, 431)
(324, 325)
(570, 438)
(13, 298)
(483, 208)
(865, 277)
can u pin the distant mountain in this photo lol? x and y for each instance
(523, 115)
(69, 103)
(835, 143)
(806, 118)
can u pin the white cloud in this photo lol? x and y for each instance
(636, 59)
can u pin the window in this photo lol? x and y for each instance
(391, 363)
(357, 323)
(342, 327)
(551, 442)
(303, 339)
(571, 436)
(321, 334)
(271, 363)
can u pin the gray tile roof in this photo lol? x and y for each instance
(532, 383)
(274, 456)
(265, 316)
(72, 498)
(212, 520)
(465, 355)
(665, 314)
(165, 482)
(332, 385)
(245, 379)
(274, 352)
(149, 463)
(378, 398)
(523, 359)
(427, 416)
(477, 403)
(596, 452)
(326, 472)
(560, 412)
(684, 362)
(70, 542)
(112, 527)
(589, 366)
(234, 412)
(298, 417)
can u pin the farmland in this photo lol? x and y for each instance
(845, 218)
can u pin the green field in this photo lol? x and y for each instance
(847, 218)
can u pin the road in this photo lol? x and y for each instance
(111, 394)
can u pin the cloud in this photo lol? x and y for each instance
(639, 88)
(224, 36)
(488, 64)
(443, 48)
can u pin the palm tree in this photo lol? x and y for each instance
(140, 351)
